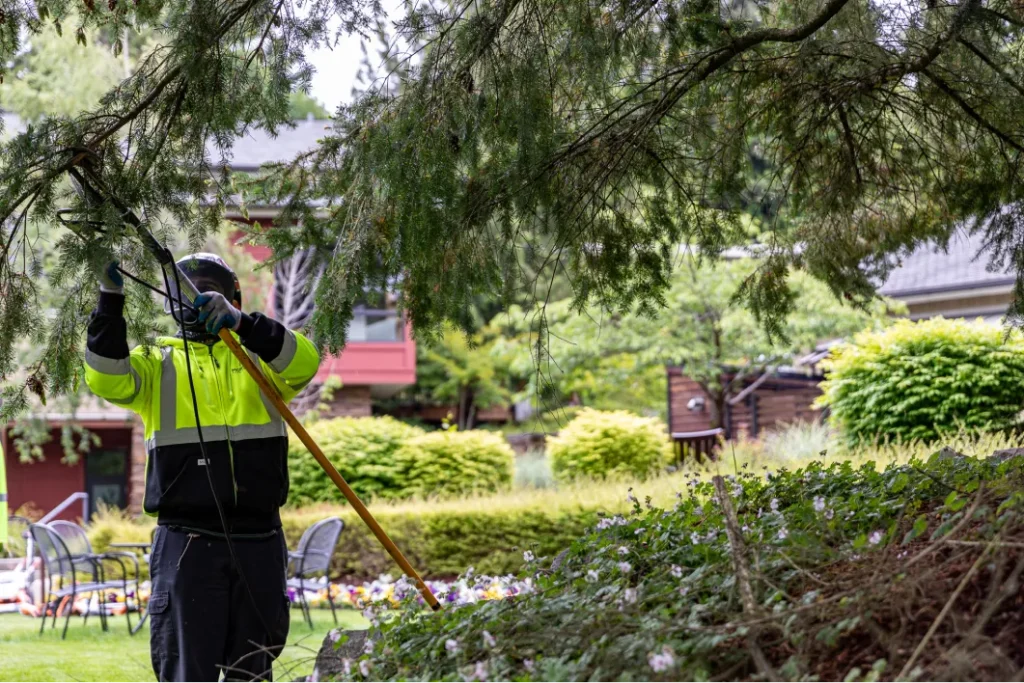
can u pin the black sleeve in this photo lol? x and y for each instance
(262, 335)
(107, 334)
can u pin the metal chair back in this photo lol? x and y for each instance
(316, 547)
(55, 554)
(74, 537)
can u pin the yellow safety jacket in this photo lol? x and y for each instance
(245, 437)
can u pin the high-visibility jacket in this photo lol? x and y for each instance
(245, 438)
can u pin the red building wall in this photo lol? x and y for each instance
(46, 483)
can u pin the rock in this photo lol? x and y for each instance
(947, 453)
(559, 560)
(329, 664)
(1006, 454)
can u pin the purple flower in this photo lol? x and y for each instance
(451, 645)
(676, 571)
(662, 661)
(624, 567)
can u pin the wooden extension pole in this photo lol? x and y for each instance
(271, 392)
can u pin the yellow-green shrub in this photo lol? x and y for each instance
(450, 463)
(924, 380)
(600, 444)
(364, 451)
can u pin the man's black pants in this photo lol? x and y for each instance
(202, 618)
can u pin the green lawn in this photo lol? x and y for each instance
(89, 654)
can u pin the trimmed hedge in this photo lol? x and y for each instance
(450, 463)
(601, 444)
(919, 381)
(444, 541)
(364, 451)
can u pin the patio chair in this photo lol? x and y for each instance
(59, 565)
(83, 559)
(313, 557)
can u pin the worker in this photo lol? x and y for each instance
(210, 613)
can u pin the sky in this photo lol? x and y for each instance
(336, 68)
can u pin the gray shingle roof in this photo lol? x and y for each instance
(258, 147)
(249, 151)
(929, 269)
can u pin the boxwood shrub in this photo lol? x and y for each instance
(364, 451)
(921, 380)
(451, 463)
(601, 444)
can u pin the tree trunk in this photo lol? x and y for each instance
(717, 406)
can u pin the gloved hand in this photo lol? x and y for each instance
(111, 280)
(217, 312)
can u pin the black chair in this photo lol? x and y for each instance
(83, 559)
(312, 558)
(58, 565)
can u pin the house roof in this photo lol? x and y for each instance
(249, 151)
(258, 147)
(964, 264)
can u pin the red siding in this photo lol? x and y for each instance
(46, 483)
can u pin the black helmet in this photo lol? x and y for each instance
(208, 272)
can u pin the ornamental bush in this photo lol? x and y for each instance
(364, 451)
(451, 463)
(923, 380)
(601, 444)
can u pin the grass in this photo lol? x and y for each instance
(89, 654)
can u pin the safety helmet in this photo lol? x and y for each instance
(208, 272)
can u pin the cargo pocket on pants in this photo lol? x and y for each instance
(163, 647)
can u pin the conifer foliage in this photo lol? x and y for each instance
(608, 131)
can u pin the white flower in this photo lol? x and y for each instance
(876, 537)
(774, 505)
(603, 523)
(737, 491)
(695, 538)
(629, 596)
(364, 668)
(745, 529)
(346, 666)
(624, 567)
(819, 503)
(451, 645)
(528, 556)
(830, 513)
(712, 535)
(528, 665)
(684, 590)
(662, 661)
(480, 672)
(489, 640)
(316, 675)
(334, 635)
(676, 571)
(783, 533)
(368, 647)
(639, 531)
(592, 576)
(623, 550)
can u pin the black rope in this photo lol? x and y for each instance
(137, 280)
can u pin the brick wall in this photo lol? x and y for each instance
(137, 475)
(351, 401)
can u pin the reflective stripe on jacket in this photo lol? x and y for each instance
(246, 440)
